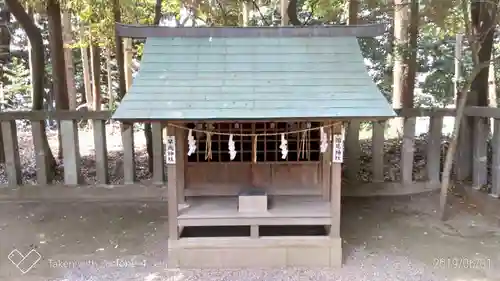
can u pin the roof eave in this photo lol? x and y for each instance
(263, 119)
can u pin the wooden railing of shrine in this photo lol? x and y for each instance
(74, 188)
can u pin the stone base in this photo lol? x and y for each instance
(245, 252)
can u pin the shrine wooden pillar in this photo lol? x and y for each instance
(172, 157)
(336, 179)
(181, 160)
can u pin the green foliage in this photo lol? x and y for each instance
(445, 17)
(328, 11)
(439, 22)
(17, 86)
(98, 19)
(378, 53)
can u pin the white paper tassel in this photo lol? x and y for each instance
(284, 147)
(230, 144)
(191, 143)
(324, 140)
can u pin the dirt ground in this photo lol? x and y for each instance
(396, 238)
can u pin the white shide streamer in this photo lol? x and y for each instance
(284, 147)
(191, 143)
(324, 140)
(232, 151)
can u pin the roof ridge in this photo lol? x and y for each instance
(145, 31)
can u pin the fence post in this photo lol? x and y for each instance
(101, 152)
(378, 130)
(42, 167)
(480, 159)
(11, 150)
(71, 152)
(434, 149)
(407, 150)
(128, 153)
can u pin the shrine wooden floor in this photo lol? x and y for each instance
(283, 210)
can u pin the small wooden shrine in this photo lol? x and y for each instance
(255, 136)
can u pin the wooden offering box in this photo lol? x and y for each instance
(252, 200)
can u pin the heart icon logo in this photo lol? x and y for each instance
(24, 262)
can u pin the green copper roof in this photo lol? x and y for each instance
(252, 78)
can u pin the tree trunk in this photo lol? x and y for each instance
(290, 14)
(35, 38)
(245, 13)
(111, 99)
(450, 153)
(401, 13)
(30, 57)
(148, 133)
(86, 69)
(407, 98)
(68, 59)
(286, 14)
(483, 16)
(459, 52)
(158, 15)
(56, 43)
(119, 52)
(96, 76)
(5, 39)
(483, 19)
(352, 11)
(492, 86)
(127, 42)
(87, 76)
(492, 91)
(57, 55)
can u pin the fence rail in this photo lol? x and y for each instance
(478, 161)
(473, 158)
